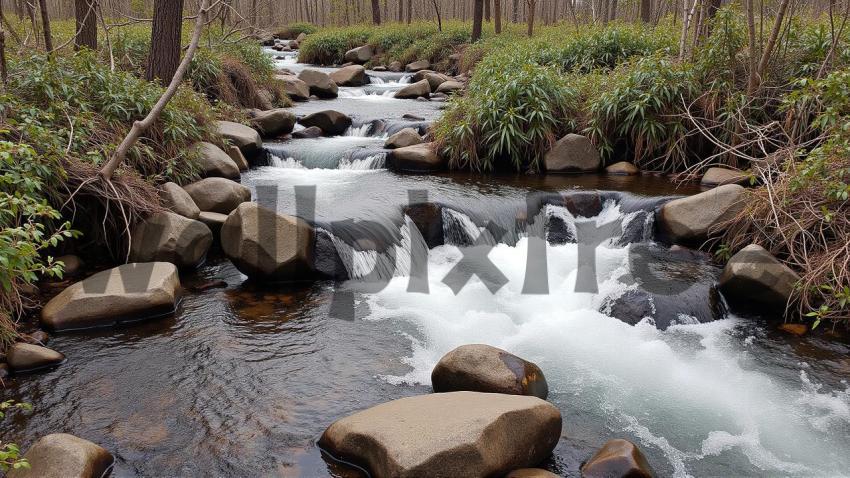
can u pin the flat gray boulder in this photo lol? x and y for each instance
(122, 294)
(573, 153)
(169, 237)
(354, 75)
(320, 83)
(449, 87)
(60, 455)
(482, 368)
(296, 89)
(719, 176)
(753, 278)
(420, 89)
(416, 66)
(23, 357)
(264, 244)
(417, 158)
(273, 123)
(435, 80)
(176, 199)
(402, 139)
(332, 123)
(457, 434)
(693, 218)
(216, 163)
(360, 55)
(245, 138)
(218, 194)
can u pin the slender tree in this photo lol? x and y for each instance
(165, 40)
(3, 74)
(477, 17)
(409, 10)
(497, 16)
(45, 25)
(532, 6)
(439, 16)
(376, 12)
(85, 12)
(400, 11)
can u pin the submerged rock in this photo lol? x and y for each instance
(216, 163)
(176, 199)
(273, 123)
(354, 75)
(311, 132)
(245, 138)
(23, 357)
(320, 84)
(360, 55)
(414, 90)
(264, 244)
(482, 368)
(333, 123)
(60, 455)
(572, 154)
(418, 158)
(169, 237)
(417, 66)
(402, 139)
(237, 157)
(456, 434)
(218, 194)
(296, 89)
(617, 459)
(122, 294)
(693, 218)
(622, 168)
(754, 279)
(721, 176)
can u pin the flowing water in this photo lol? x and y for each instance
(244, 378)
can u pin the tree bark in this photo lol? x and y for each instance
(771, 42)
(477, 17)
(532, 6)
(400, 11)
(439, 17)
(4, 76)
(85, 12)
(646, 11)
(497, 16)
(45, 25)
(515, 13)
(409, 10)
(751, 35)
(165, 40)
(487, 10)
(139, 127)
(376, 12)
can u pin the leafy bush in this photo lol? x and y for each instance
(291, 31)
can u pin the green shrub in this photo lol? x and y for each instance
(291, 31)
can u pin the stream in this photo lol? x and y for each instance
(244, 379)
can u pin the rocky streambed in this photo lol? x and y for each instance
(258, 377)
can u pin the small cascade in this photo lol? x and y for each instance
(460, 230)
(288, 163)
(376, 161)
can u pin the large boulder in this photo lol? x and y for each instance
(360, 55)
(482, 368)
(720, 176)
(395, 66)
(417, 158)
(354, 75)
(296, 89)
(125, 293)
(418, 66)
(237, 157)
(273, 123)
(414, 90)
(333, 123)
(264, 244)
(435, 80)
(214, 221)
(754, 279)
(169, 237)
(450, 86)
(693, 218)
(572, 154)
(23, 357)
(216, 163)
(617, 459)
(176, 199)
(402, 139)
(218, 194)
(245, 138)
(320, 84)
(457, 434)
(60, 455)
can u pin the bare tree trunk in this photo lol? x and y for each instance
(751, 34)
(532, 6)
(376, 12)
(139, 127)
(477, 17)
(409, 10)
(646, 11)
(771, 42)
(497, 16)
(4, 75)
(487, 10)
(45, 25)
(85, 12)
(165, 40)
(400, 11)
(439, 18)
(515, 13)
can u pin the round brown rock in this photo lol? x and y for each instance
(695, 217)
(245, 138)
(176, 199)
(617, 459)
(23, 357)
(333, 123)
(273, 123)
(622, 168)
(572, 154)
(482, 368)
(354, 75)
(215, 163)
(60, 455)
(320, 84)
(402, 139)
(419, 158)
(420, 89)
(169, 237)
(218, 194)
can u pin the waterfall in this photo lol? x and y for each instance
(376, 161)
(288, 163)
